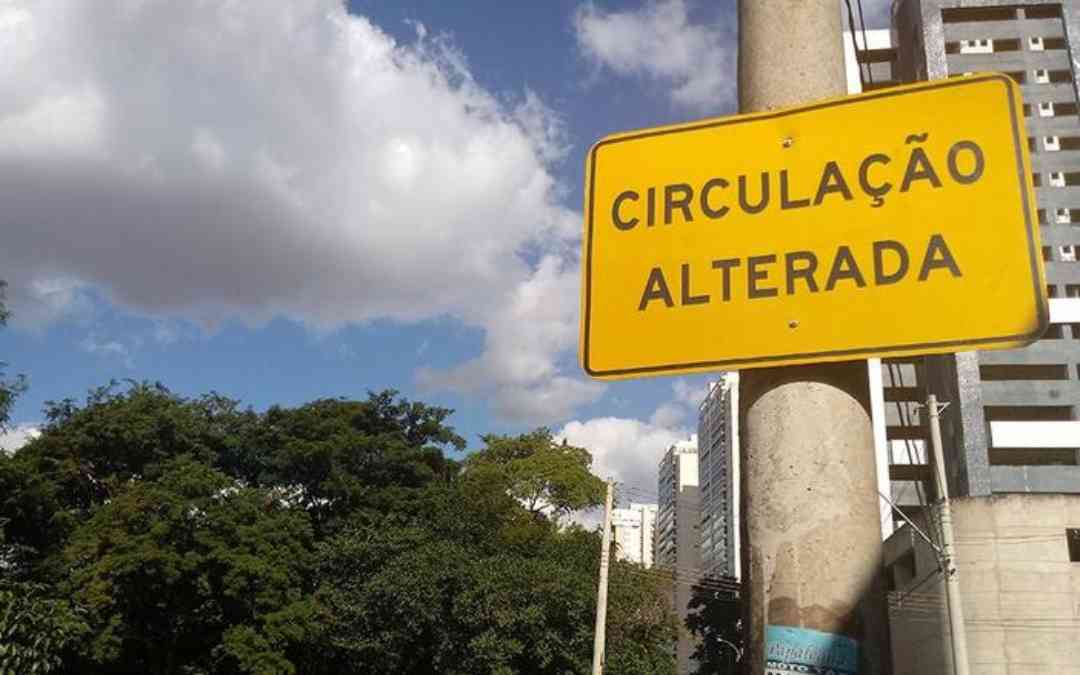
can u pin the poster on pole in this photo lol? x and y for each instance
(791, 650)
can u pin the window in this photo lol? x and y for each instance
(1042, 76)
(1035, 44)
(1051, 143)
(1046, 109)
(1073, 535)
(1063, 215)
(976, 46)
(1057, 179)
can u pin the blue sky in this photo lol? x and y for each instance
(333, 199)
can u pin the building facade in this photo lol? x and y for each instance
(1013, 425)
(632, 530)
(678, 538)
(718, 467)
(1018, 562)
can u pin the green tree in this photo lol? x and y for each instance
(405, 599)
(9, 389)
(165, 534)
(187, 572)
(86, 453)
(715, 617)
(549, 478)
(642, 629)
(37, 631)
(344, 456)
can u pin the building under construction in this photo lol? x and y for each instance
(1011, 430)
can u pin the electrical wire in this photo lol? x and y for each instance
(695, 575)
(684, 581)
(917, 586)
(865, 43)
(896, 374)
(855, 42)
(632, 491)
(681, 580)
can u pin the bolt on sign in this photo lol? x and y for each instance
(897, 222)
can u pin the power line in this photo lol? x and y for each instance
(855, 42)
(896, 374)
(685, 580)
(682, 581)
(694, 575)
(917, 586)
(865, 43)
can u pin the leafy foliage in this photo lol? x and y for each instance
(716, 618)
(548, 477)
(187, 570)
(36, 631)
(9, 389)
(175, 535)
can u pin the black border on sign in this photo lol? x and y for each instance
(1041, 305)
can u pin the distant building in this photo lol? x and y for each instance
(678, 535)
(718, 460)
(633, 533)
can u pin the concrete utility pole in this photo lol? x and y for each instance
(601, 592)
(810, 518)
(952, 580)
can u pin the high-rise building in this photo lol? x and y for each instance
(718, 466)
(678, 540)
(1014, 420)
(632, 530)
(1012, 423)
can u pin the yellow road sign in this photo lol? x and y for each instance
(897, 222)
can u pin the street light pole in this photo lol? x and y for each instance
(952, 579)
(601, 591)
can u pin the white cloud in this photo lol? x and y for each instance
(215, 160)
(46, 298)
(17, 436)
(92, 344)
(166, 333)
(658, 41)
(682, 408)
(627, 450)
(669, 414)
(526, 334)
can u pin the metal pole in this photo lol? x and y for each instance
(952, 579)
(601, 592)
(812, 556)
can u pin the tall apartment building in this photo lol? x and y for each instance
(678, 542)
(632, 530)
(1011, 433)
(718, 468)
(1013, 423)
